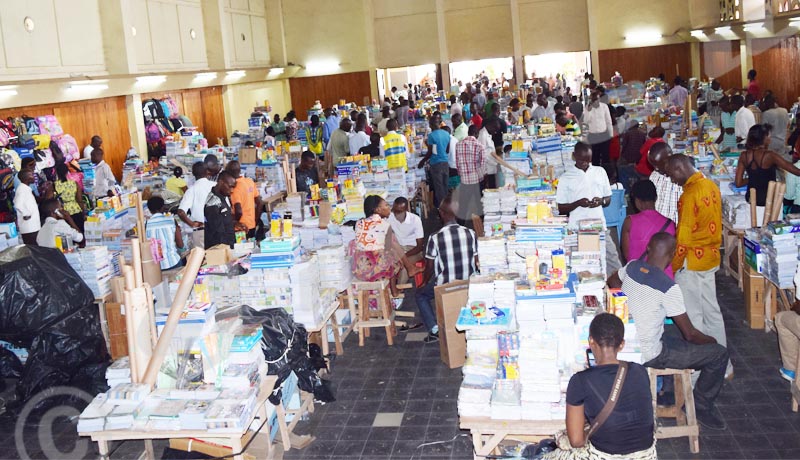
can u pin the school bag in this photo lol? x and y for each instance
(31, 125)
(152, 109)
(48, 124)
(164, 109)
(172, 105)
(152, 132)
(69, 147)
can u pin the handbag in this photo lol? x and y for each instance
(611, 402)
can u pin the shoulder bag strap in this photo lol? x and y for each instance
(613, 397)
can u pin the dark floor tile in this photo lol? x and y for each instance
(764, 453)
(366, 407)
(440, 418)
(440, 433)
(361, 419)
(330, 433)
(741, 426)
(377, 449)
(784, 441)
(405, 448)
(319, 448)
(349, 449)
(412, 433)
(383, 434)
(715, 442)
(369, 394)
(776, 425)
(416, 419)
(392, 405)
(354, 433)
(423, 406)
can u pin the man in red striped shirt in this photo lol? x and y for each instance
(471, 163)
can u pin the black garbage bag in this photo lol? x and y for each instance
(285, 347)
(48, 309)
(10, 366)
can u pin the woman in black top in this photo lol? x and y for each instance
(629, 429)
(761, 164)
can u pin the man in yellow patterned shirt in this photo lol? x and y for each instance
(699, 236)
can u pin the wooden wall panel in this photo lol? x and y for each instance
(203, 106)
(328, 89)
(722, 61)
(83, 119)
(645, 62)
(777, 61)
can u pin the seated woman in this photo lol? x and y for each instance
(761, 165)
(628, 431)
(638, 228)
(376, 253)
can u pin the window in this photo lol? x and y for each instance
(730, 10)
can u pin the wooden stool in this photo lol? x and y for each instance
(686, 422)
(367, 319)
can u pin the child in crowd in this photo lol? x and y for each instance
(161, 227)
(176, 184)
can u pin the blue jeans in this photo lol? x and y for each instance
(711, 360)
(425, 299)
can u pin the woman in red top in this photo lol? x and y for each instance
(753, 88)
(655, 136)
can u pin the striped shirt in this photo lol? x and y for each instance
(652, 297)
(453, 250)
(470, 160)
(395, 148)
(668, 194)
(161, 227)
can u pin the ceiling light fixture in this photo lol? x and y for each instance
(235, 74)
(88, 85)
(205, 76)
(8, 91)
(643, 36)
(151, 79)
(697, 33)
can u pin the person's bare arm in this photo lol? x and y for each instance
(576, 420)
(418, 248)
(237, 212)
(428, 273)
(783, 163)
(614, 281)
(689, 332)
(79, 198)
(625, 241)
(740, 179)
(427, 155)
(178, 236)
(566, 208)
(185, 218)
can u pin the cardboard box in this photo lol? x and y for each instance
(220, 254)
(754, 286)
(450, 298)
(248, 155)
(117, 330)
(211, 448)
(588, 242)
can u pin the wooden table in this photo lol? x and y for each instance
(102, 438)
(733, 241)
(269, 200)
(786, 302)
(329, 320)
(487, 433)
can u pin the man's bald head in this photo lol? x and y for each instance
(661, 249)
(658, 155)
(448, 209)
(680, 168)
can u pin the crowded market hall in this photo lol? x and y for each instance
(376, 229)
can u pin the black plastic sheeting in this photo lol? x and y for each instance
(47, 308)
(286, 349)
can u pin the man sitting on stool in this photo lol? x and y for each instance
(652, 297)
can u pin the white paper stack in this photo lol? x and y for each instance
(492, 254)
(294, 203)
(506, 402)
(481, 289)
(736, 211)
(508, 201)
(491, 201)
(305, 284)
(119, 372)
(93, 417)
(192, 415)
(505, 292)
(337, 273)
(517, 252)
(94, 266)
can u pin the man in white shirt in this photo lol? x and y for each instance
(104, 180)
(407, 228)
(194, 202)
(95, 143)
(544, 110)
(28, 221)
(599, 129)
(678, 94)
(744, 118)
(57, 223)
(385, 117)
(455, 106)
(485, 139)
(583, 191)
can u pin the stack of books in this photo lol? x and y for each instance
(94, 266)
(119, 372)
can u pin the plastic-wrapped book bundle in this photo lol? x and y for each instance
(492, 254)
(338, 271)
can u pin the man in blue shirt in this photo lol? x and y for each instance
(438, 146)
(332, 120)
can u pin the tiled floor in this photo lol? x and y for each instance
(412, 396)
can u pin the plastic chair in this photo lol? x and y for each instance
(616, 212)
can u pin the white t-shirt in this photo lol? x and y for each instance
(55, 227)
(25, 206)
(407, 231)
(104, 180)
(488, 148)
(451, 154)
(194, 199)
(358, 140)
(87, 152)
(456, 108)
(745, 119)
(576, 184)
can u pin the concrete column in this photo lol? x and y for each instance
(217, 33)
(519, 64)
(369, 41)
(746, 55)
(593, 47)
(444, 56)
(275, 33)
(695, 52)
(133, 108)
(118, 46)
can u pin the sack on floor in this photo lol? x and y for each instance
(48, 309)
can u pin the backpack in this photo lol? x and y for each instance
(69, 147)
(44, 159)
(173, 106)
(17, 125)
(31, 125)
(48, 124)
(6, 133)
(164, 109)
(152, 132)
(152, 109)
(185, 121)
(176, 124)
(42, 141)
